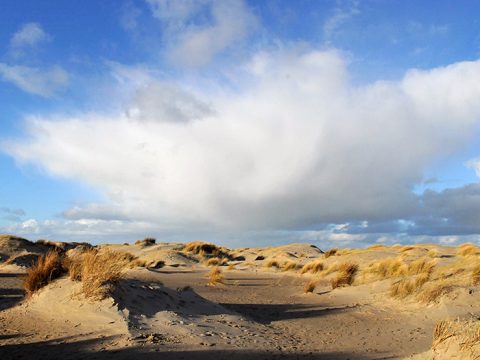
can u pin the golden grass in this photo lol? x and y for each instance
(421, 266)
(148, 241)
(203, 248)
(289, 265)
(272, 263)
(376, 247)
(467, 249)
(467, 334)
(47, 268)
(345, 276)
(387, 268)
(404, 249)
(476, 275)
(309, 287)
(330, 252)
(231, 266)
(435, 291)
(312, 267)
(100, 271)
(215, 277)
(402, 288)
(213, 262)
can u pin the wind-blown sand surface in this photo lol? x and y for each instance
(164, 307)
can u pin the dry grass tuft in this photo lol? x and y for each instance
(148, 241)
(435, 291)
(330, 252)
(213, 262)
(290, 265)
(215, 276)
(231, 266)
(387, 268)
(402, 288)
(47, 268)
(421, 266)
(467, 249)
(272, 263)
(312, 267)
(345, 276)
(476, 275)
(100, 271)
(203, 249)
(467, 334)
(309, 287)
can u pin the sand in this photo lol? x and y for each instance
(171, 312)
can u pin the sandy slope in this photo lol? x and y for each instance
(258, 313)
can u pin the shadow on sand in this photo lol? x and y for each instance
(266, 313)
(60, 349)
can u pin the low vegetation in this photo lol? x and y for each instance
(467, 249)
(466, 335)
(290, 265)
(48, 267)
(148, 241)
(98, 271)
(345, 275)
(215, 277)
(330, 252)
(476, 275)
(206, 249)
(309, 287)
(312, 267)
(272, 263)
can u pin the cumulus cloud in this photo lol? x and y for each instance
(38, 81)
(29, 35)
(294, 143)
(196, 31)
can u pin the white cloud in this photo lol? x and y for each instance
(43, 82)
(27, 36)
(193, 42)
(297, 145)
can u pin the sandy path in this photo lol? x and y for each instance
(289, 324)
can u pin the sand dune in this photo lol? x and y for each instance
(416, 301)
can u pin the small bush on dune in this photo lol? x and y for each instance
(215, 276)
(345, 276)
(330, 252)
(47, 268)
(312, 267)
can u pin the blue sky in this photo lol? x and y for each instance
(339, 123)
